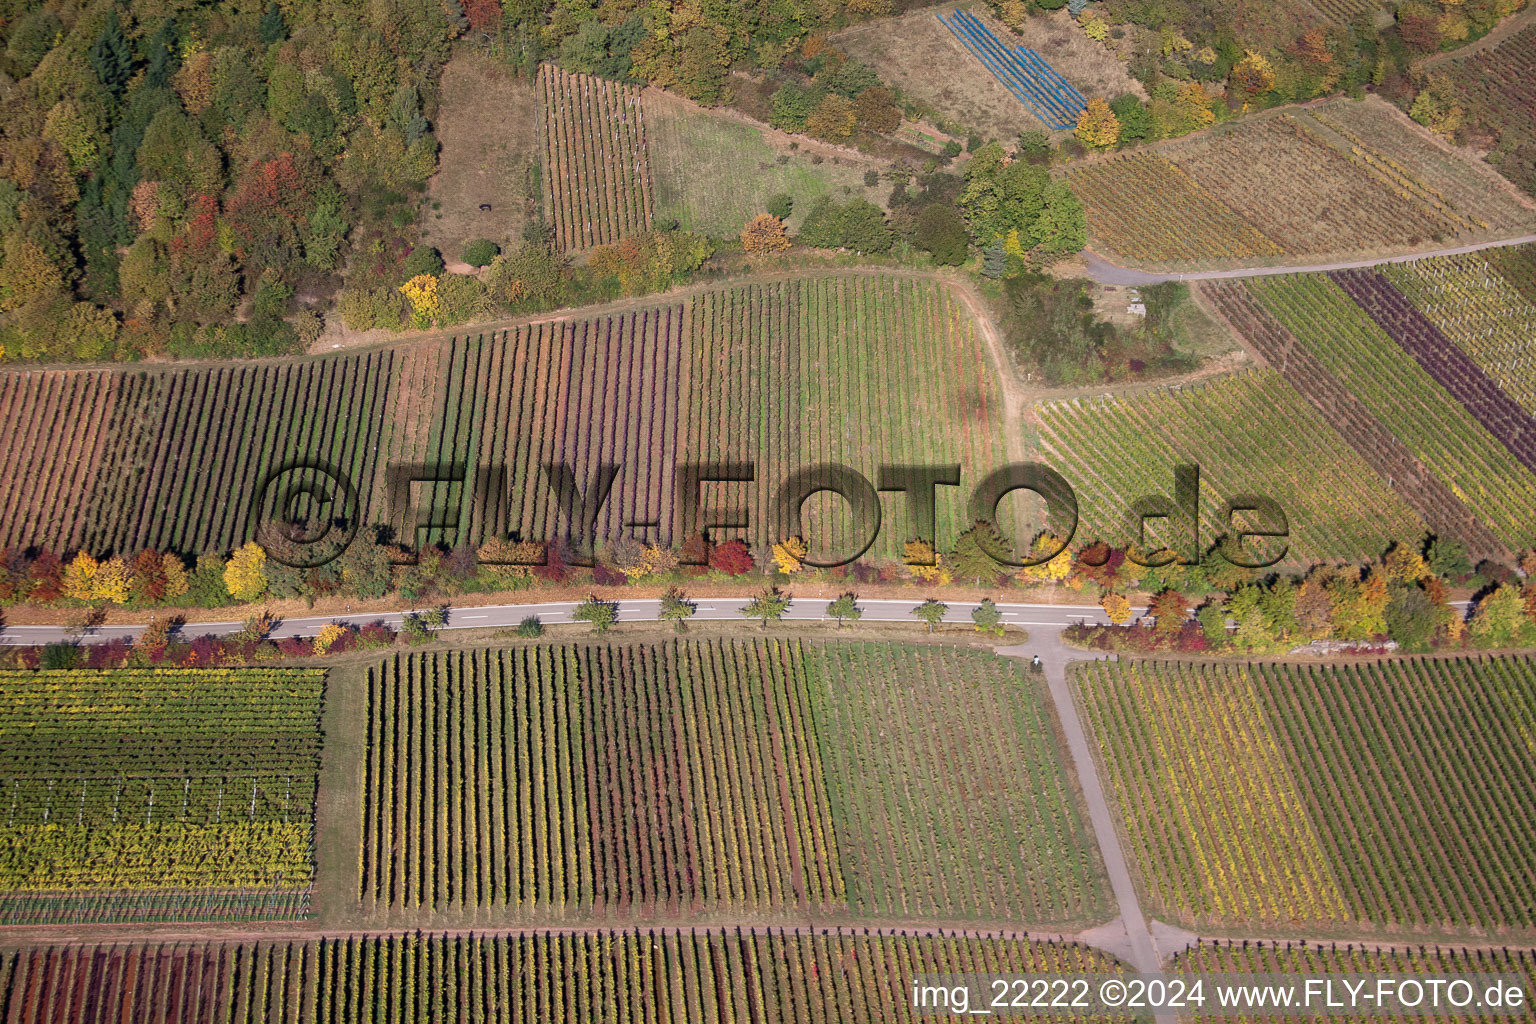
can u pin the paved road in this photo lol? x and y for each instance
(503, 616)
(1105, 272)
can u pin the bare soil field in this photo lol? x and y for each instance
(922, 58)
(489, 133)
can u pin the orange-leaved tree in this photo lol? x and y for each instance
(764, 235)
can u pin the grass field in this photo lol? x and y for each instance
(1340, 180)
(760, 777)
(158, 794)
(743, 166)
(1385, 794)
(488, 127)
(1249, 434)
(617, 977)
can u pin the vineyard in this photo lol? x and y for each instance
(1471, 303)
(862, 370)
(1451, 367)
(1051, 98)
(949, 795)
(1317, 959)
(744, 166)
(148, 794)
(865, 370)
(1343, 178)
(596, 169)
(1184, 223)
(55, 422)
(599, 780)
(127, 460)
(1498, 88)
(1308, 196)
(662, 780)
(1249, 434)
(762, 975)
(1352, 351)
(1384, 794)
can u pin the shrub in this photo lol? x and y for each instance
(424, 259)
(480, 252)
(781, 205)
(530, 628)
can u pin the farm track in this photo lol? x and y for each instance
(1104, 271)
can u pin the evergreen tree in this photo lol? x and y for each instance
(272, 28)
(111, 58)
(994, 259)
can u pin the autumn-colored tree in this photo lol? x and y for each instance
(193, 81)
(144, 203)
(731, 558)
(1418, 24)
(764, 235)
(1116, 608)
(1169, 607)
(1436, 106)
(1499, 620)
(1311, 47)
(329, 634)
(148, 581)
(245, 574)
(27, 275)
(876, 109)
(923, 562)
(483, 15)
(1405, 565)
(70, 130)
(1097, 125)
(421, 292)
(1253, 74)
(833, 119)
(175, 570)
(789, 555)
(1314, 610)
(80, 577)
(1054, 569)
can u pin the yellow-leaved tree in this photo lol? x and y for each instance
(1253, 74)
(421, 292)
(245, 574)
(1097, 125)
(80, 577)
(1117, 608)
(789, 555)
(327, 637)
(1055, 569)
(112, 580)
